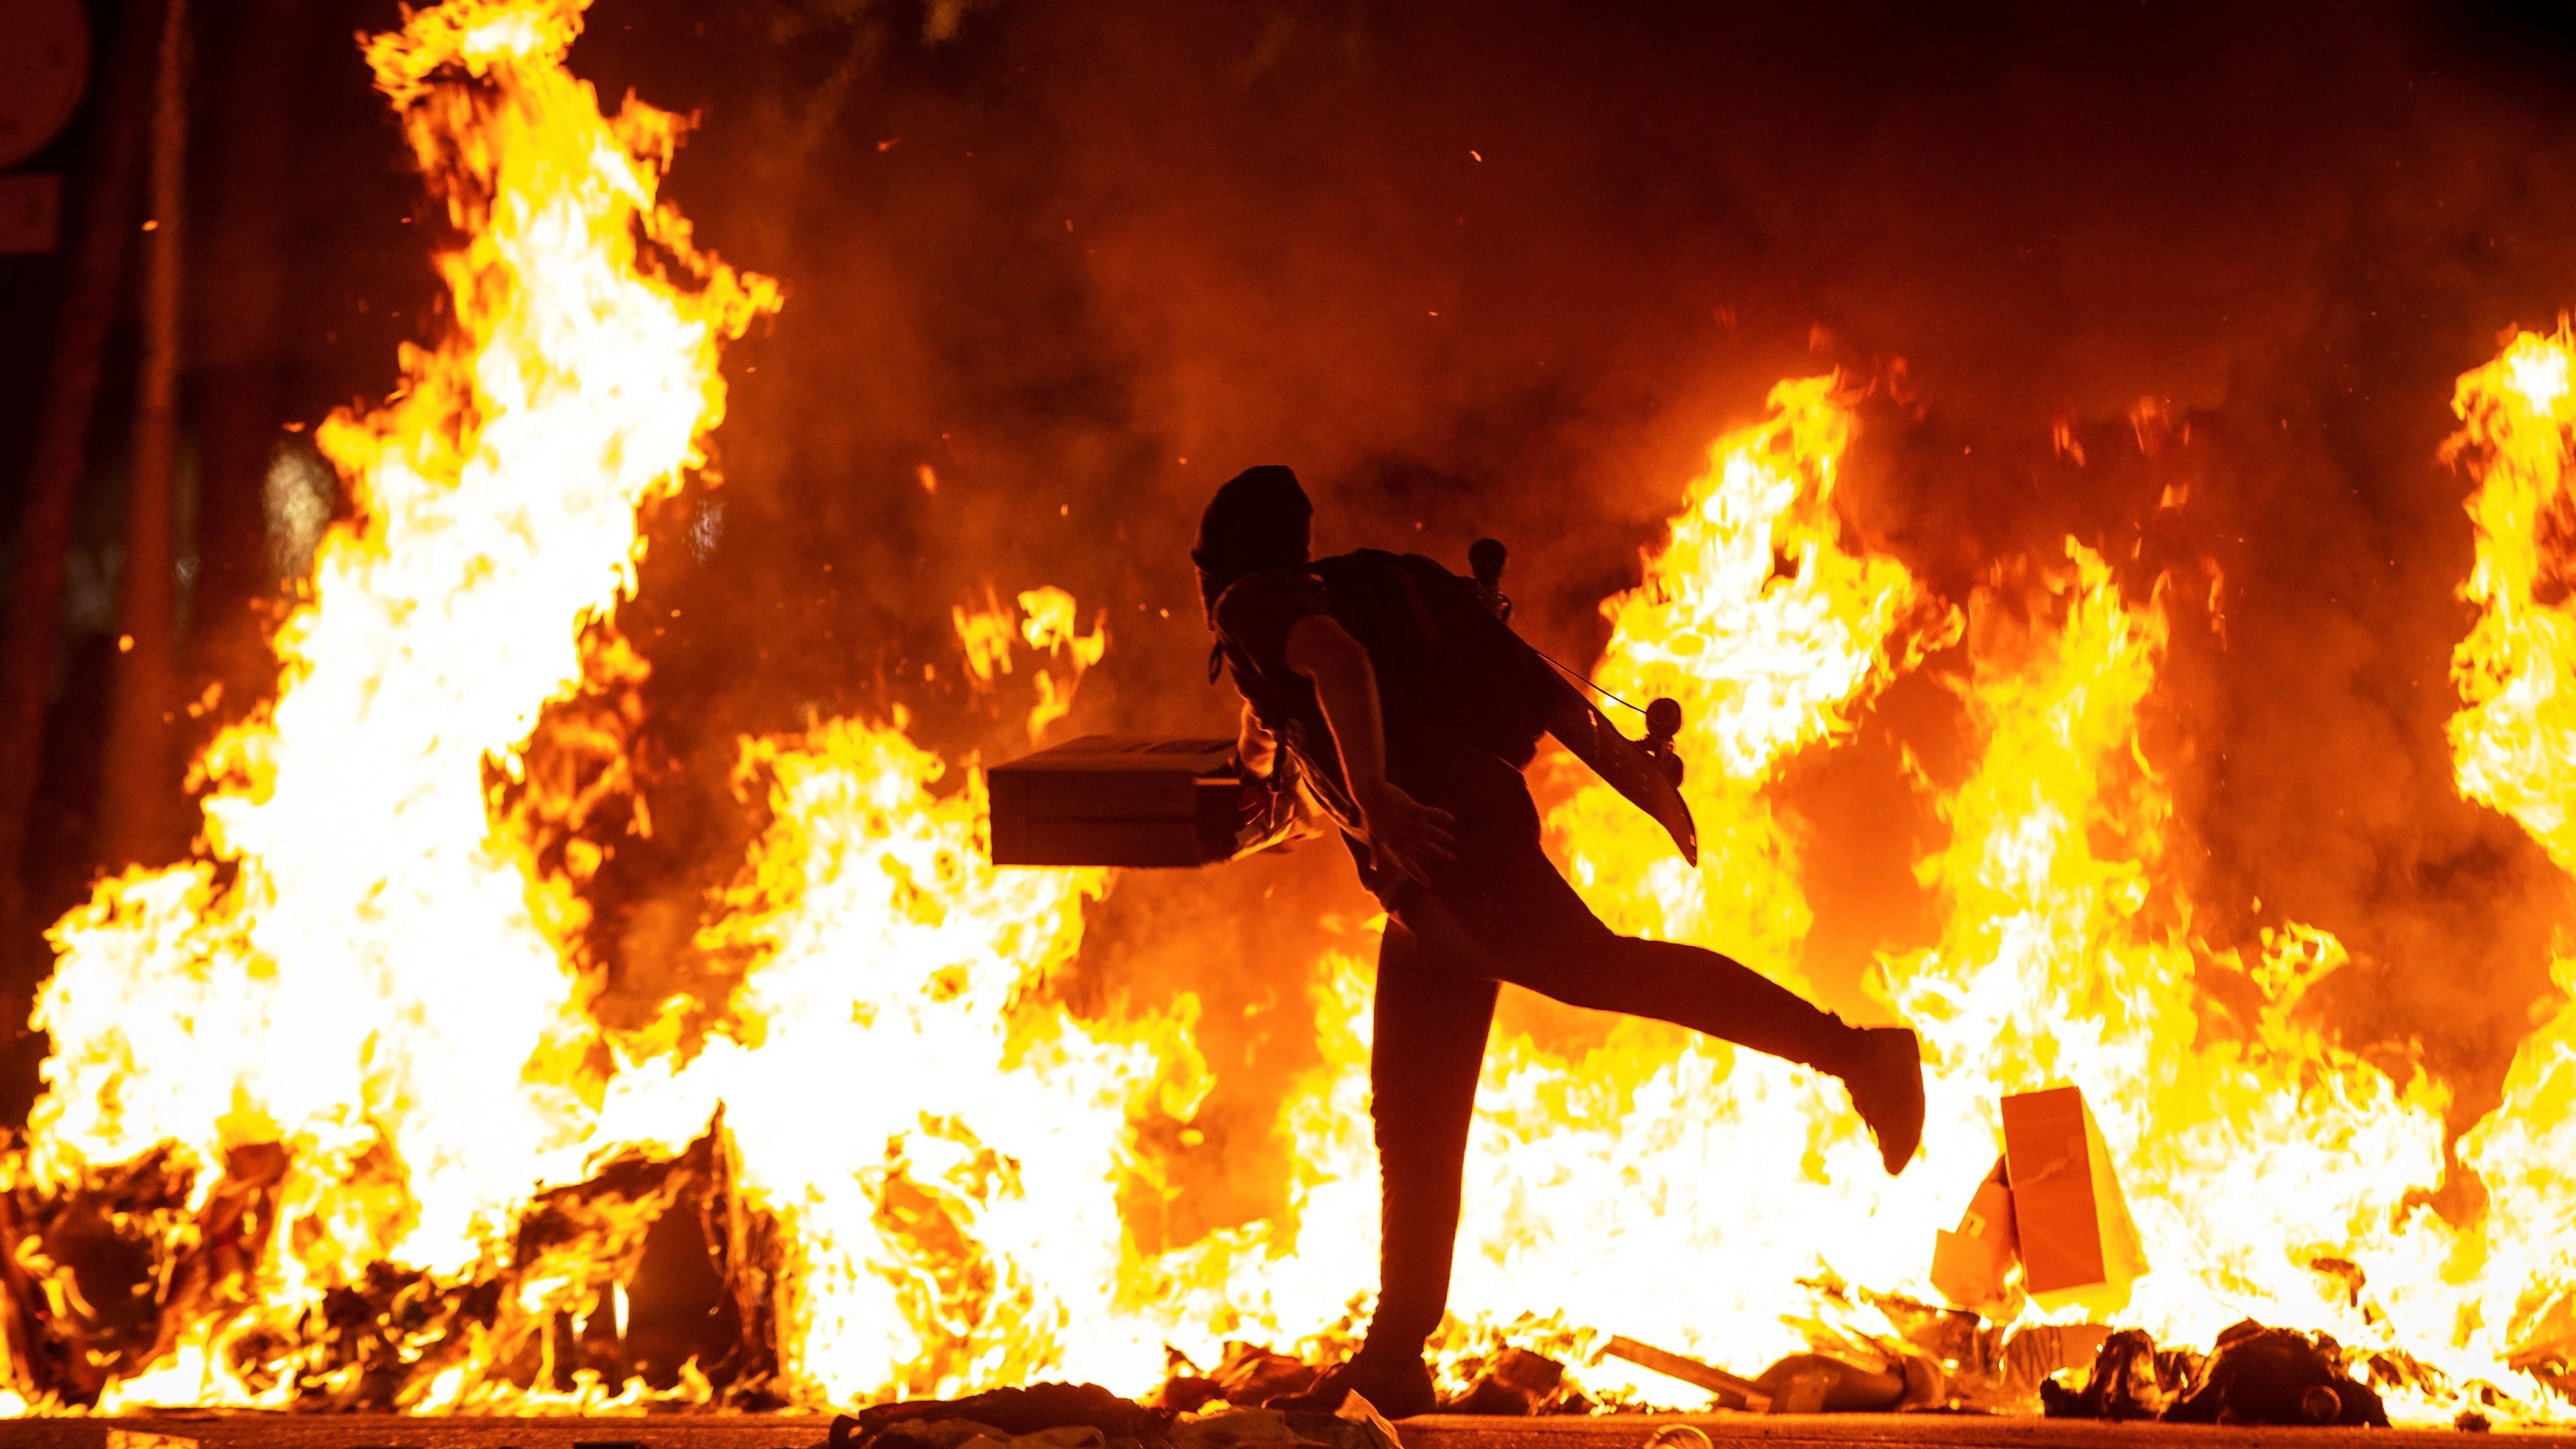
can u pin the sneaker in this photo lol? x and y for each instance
(1887, 1090)
(1397, 1388)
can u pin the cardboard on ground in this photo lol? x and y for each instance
(1973, 1266)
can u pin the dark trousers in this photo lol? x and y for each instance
(1502, 913)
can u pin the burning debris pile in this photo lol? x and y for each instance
(331, 1123)
(2254, 1375)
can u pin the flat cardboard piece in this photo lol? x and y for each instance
(1973, 1266)
(2078, 1243)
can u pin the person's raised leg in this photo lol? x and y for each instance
(1520, 922)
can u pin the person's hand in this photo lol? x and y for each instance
(1404, 835)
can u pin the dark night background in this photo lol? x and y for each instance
(1053, 251)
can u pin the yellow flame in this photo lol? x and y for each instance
(985, 634)
(1048, 621)
(2514, 747)
(350, 1033)
(1049, 625)
(939, 1142)
(2515, 739)
(358, 966)
(2069, 956)
(2268, 1168)
(2251, 1150)
(2522, 1152)
(1773, 635)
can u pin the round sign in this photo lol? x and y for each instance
(43, 70)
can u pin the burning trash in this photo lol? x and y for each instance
(1248, 1375)
(2253, 1376)
(2130, 1380)
(1518, 1383)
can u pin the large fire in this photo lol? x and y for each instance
(331, 1123)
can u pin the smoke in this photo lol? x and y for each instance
(1506, 270)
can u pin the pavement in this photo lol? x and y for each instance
(387, 1431)
(1431, 1431)
(1913, 1431)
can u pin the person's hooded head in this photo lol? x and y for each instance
(1259, 520)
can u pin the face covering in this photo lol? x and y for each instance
(1258, 520)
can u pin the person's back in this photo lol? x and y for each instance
(1457, 689)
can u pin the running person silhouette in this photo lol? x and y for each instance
(1409, 727)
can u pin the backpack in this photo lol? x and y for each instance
(1444, 658)
(1448, 665)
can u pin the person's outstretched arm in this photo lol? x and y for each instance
(1403, 833)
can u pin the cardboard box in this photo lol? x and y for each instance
(2077, 1241)
(1118, 800)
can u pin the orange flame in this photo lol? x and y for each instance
(2515, 738)
(2514, 747)
(346, 1043)
(358, 967)
(1773, 636)
(1048, 621)
(938, 1142)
